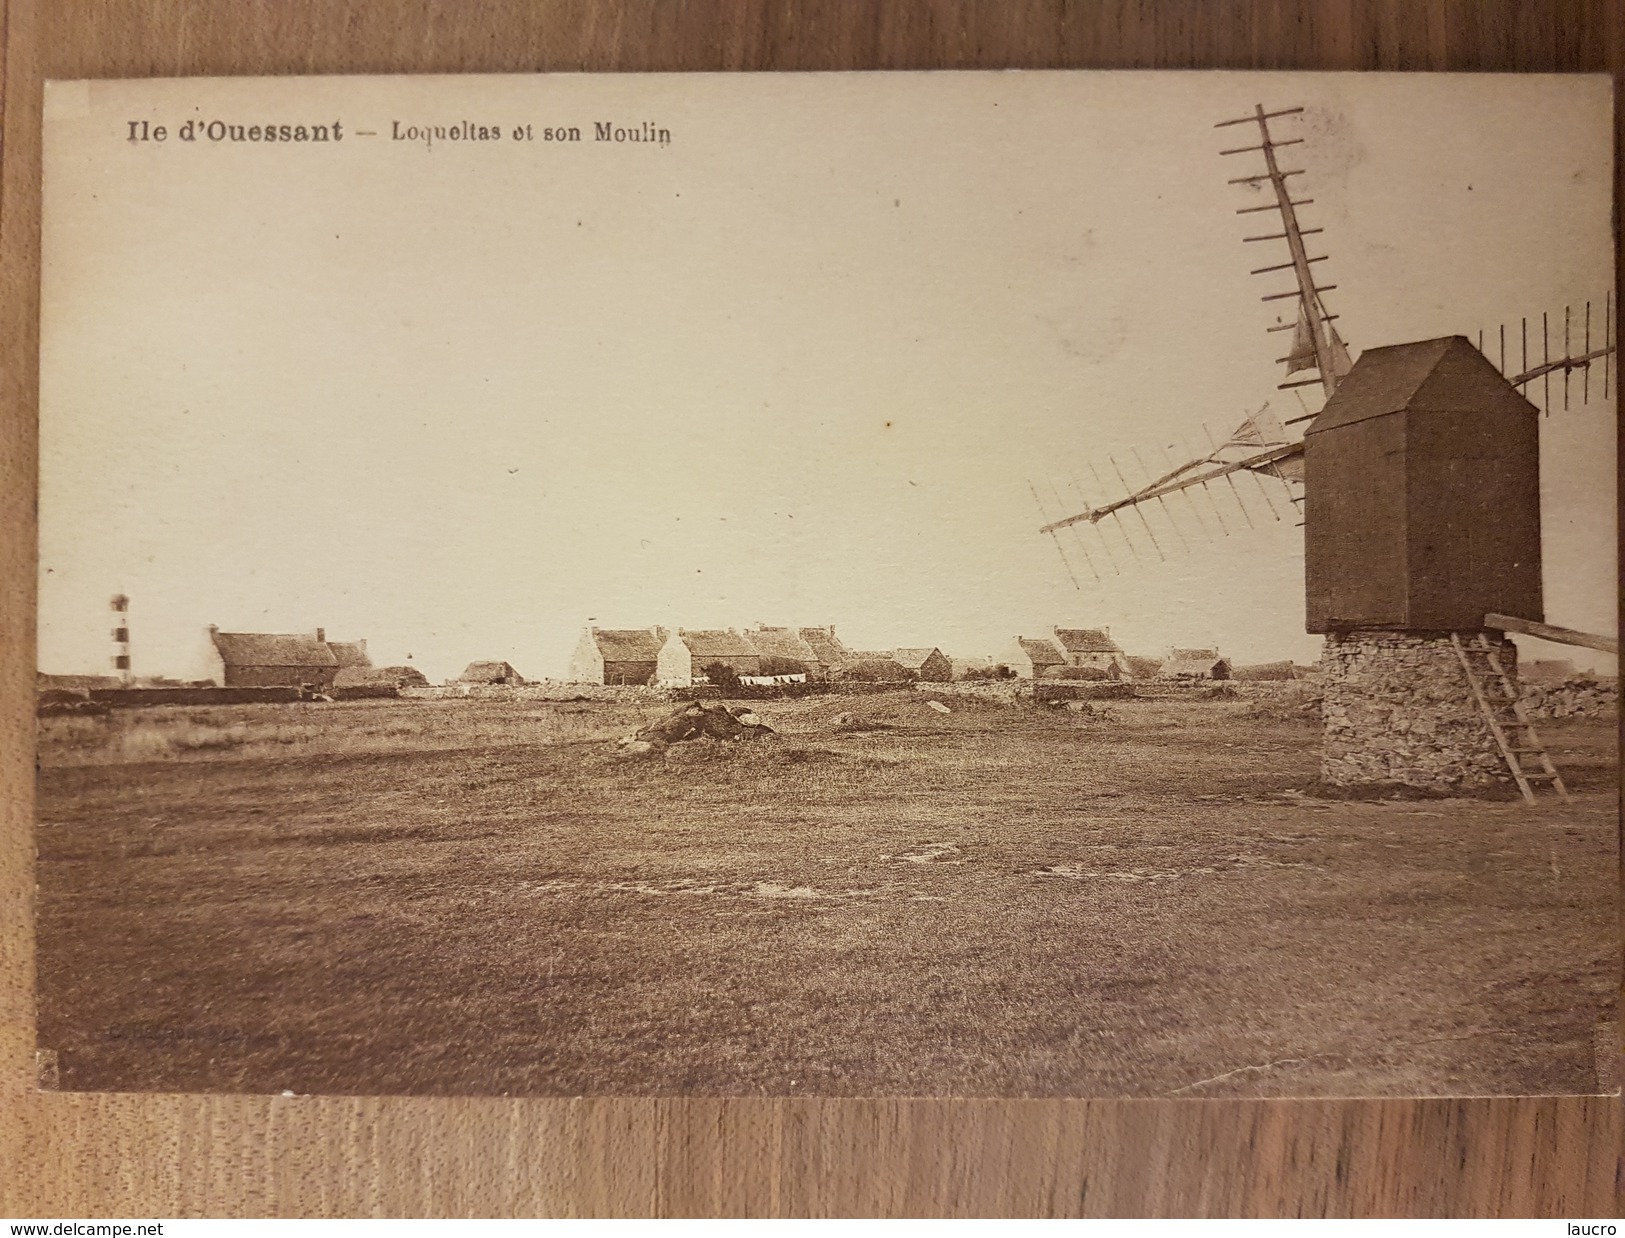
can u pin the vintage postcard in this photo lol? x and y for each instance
(961, 584)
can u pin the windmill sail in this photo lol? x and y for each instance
(1581, 351)
(1315, 342)
(1258, 445)
(1302, 356)
(1261, 429)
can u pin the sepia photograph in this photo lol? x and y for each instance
(953, 584)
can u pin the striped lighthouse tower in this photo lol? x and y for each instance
(121, 636)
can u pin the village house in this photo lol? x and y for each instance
(685, 655)
(617, 655)
(783, 651)
(876, 666)
(1194, 664)
(1143, 668)
(830, 654)
(927, 665)
(490, 673)
(1093, 647)
(373, 676)
(983, 666)
(1032, 656)
(277, 659)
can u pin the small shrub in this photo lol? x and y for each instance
(772, 664)
(1001, 671)
(722, 676)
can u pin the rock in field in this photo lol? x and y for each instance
(700, 721)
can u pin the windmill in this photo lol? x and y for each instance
(1262, 449)
(1418, 489)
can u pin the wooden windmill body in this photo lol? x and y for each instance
(1422, 495)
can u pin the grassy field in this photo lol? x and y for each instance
(483, 897)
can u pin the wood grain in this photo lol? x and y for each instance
(67, 1155)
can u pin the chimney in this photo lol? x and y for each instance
(213, 629)
(593, 628)
(321, 636)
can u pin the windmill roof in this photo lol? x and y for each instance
(1086, 640)
(717, 643)
(1446, 374)
(272, 649)
(627, 644)
(1041, 652)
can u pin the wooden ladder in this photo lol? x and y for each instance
(1507, 716)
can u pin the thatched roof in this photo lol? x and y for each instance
(350, 653)
(717, 643)
(272, 649)
(489, 672)
(1086, 640)
(1265, 671)
(826, 647)
(628, 644)
(1199, 663)
(1143, 668)
(784, 643)
(365, 676)
(914, 659)
(877, 667)
(1041, 652)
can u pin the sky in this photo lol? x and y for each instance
(806, 363)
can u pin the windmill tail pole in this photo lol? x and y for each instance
(1546, 631)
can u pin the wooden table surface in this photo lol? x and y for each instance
(68, 1155)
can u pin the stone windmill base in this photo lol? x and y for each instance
(1399, 708)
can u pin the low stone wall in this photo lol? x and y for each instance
(1398, 708)
(613, 693)
(134, 698)
(999, 691)
(1048, 691)
(1579, 696)
(364, 692)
